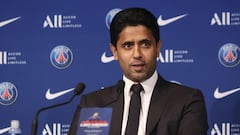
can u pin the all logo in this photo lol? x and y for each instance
(13, 58)
(3, 57)
(61, 21)
(55, 129)
(56, 22)
(168, 58)
(225, 19)
(61, 57)
(8, 93)
(225, 129)
(229, 55)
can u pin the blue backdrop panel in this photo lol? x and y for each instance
(47, 47)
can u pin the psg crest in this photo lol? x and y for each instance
(229, 55)
(61, 57)
(8, 93)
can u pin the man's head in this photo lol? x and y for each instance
(133, 17)
(135, 42)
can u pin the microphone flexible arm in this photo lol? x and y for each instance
(35, 121)
(78, 90)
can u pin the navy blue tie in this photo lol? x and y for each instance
(134, 110)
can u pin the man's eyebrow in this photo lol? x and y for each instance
(145, 40)
(127, 42)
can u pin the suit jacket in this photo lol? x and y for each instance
(174, 109)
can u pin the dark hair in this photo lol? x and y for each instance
(133, 17)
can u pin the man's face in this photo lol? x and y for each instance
(137, 52)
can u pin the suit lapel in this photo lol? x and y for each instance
(116, 124)
(157, 104)
(117, 108)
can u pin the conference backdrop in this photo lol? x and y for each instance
(47, 47)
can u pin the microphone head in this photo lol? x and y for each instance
(15, 124)
(79, 88)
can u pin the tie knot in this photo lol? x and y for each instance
(136, 88)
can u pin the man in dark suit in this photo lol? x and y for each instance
(165, 108)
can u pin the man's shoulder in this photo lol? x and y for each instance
(174, 88)
(102, 97)
(173, 85)
(103, 91)
(178, 95)
(109, 90)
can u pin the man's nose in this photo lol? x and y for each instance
(137, 52)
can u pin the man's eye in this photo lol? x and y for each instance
(146, 44)
(126, 46)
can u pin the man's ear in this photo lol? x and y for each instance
(114, 51)
(159, 45)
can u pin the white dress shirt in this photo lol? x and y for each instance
(146, 95)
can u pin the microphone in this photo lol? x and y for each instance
(77, 91)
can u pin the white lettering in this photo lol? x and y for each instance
(225, 20)
(56, 129)
(57, 22)
(3, 57)
(225, 129)
(168, 56)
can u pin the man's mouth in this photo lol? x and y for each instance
(138, 66)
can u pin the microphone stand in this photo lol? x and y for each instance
(78, 90)
(35, 121)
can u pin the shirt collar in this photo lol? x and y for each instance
(148, 84)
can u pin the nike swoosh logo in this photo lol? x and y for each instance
(51, 96)
(3, 23)
(219, 95)
(162, 22)
(106, 59)
(4, 130)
